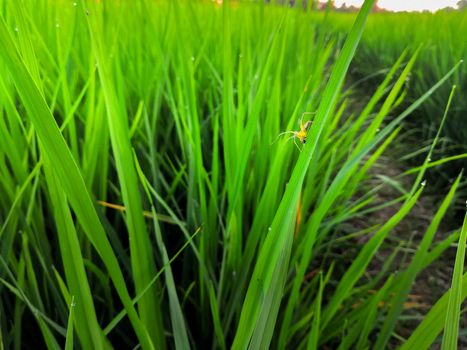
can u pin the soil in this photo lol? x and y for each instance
(435, 280)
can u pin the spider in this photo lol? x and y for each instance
(302, 133)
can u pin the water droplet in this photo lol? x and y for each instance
(16, 29)
(423, 183)
(378, 130)
(73, 304)
(57, 25)
(269, 228)
(429, 159)
(234, 273)
(192, 58)
(75, 4)
(256, 76)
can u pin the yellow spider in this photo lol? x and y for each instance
(302, 133)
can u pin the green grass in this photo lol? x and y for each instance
(228, 237)
(440, 37)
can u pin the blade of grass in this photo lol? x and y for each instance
(216, 318)
(453, 312)
(434, 143)
(359, 265)
(69, 330)
(314, 334)
(142, 261)
(414, 268)
(434, 322)
(176, 315)
(67, 171)
(87, 326)
(259, 311)
(123, 313)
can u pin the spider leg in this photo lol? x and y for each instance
(286, 132)
(295, 141)
(306, 126)
(282, 133)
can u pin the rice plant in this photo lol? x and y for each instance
(440, 36)
(148, 198)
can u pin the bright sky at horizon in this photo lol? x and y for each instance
(404, 5)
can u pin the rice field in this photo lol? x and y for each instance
(205, 175)
(440, 39)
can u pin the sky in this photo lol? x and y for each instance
(404, 5)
